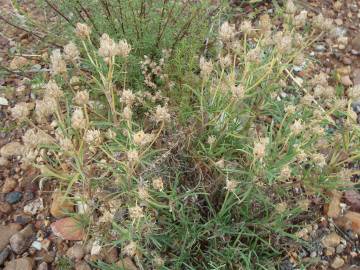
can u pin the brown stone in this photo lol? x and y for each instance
(18, 62)
(21, 241)
(9, 185)
(11, 149)
(111, 255)
(76, 252)
(355, 221)
(6, 232)
(337, 262)
(20, 264)
(352, 199)
(127, 264)
(5, 207)
(60, 205)
(68, 229)
(331, 240)
(334, 206)
(82, 266)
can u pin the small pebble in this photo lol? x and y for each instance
(13, 197)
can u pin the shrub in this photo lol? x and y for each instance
(183, 167)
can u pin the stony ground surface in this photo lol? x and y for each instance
(31, 221)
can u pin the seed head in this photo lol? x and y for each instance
(297, 127)
(93, 137)
(158, 184)
(82, 30)
(123, 48)
(246, 27)
(127, 97)
(136, 212)
(319, 159)
(133, 156)
(108, 47)
(211, 140)
(142, 138)
(20, 111)
(231, 185)
(71, 52)
(301, 18)
(45, 108)
(53, 90)
(227, 32)
(81, 98)
(285, 173)
(66, 144)
(58, 65)
(127, 113)
(110, 134)
(290, 8)
(206, 67)
(260, 148)
(78, 120)
(161, 114)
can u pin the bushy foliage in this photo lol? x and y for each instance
(184, 167)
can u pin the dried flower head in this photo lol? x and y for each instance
(320, 79)
(127, 113)
(130, 249)
(259, 149)
(123, 48)
(133, 156)
(71, 52)
(231, 185)
(238, 91)
(246, 27)
(254, 55)
(82, 30)
(127, 97)
(307, 99)
(143, 193)
(290, 109)
(162, 114)
(81, 98)
(78, 120)
(290, 8)
(66, 144)
(265, 24)
(297, 127)
(285, 173)
(354, 92)
(93, 137)
(225, 61)
(136, 212)
(158, 184)
(206, 67)
(301, 18)
(45, 108)
(281, 207)
(211, 140)
(142, 138)
(283, 42)
(53, 90)
(110, 134)
(74, 80)
(108, 47)
(227, 32)
(58, 65)
(321, 23)
(318, 159)
(220, 163)
(21, 111)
